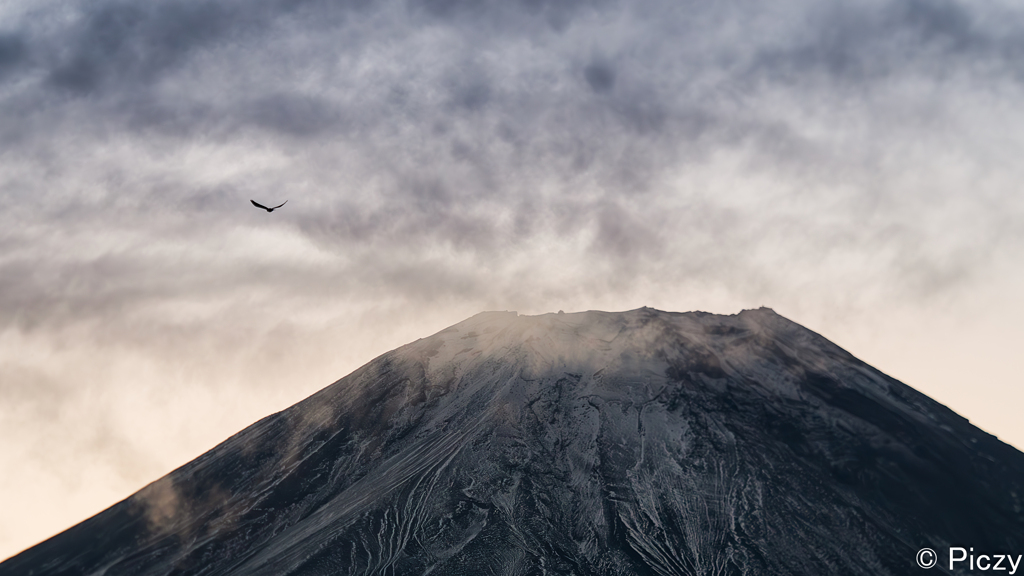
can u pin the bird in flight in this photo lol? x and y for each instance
(258, 205)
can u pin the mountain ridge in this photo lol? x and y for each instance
(638, 442)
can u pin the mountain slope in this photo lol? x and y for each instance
(641, 442)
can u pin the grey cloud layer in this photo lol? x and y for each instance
(481, 125)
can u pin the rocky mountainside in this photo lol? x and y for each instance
(641, 442)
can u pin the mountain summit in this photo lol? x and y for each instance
(640, 442)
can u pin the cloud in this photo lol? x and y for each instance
(12, 53)
(124, 42)
(402, 130)
(600, 76)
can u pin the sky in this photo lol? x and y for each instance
(853, 165)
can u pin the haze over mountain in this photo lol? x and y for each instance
(641, 442)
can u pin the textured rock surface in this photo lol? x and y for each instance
(641, 442)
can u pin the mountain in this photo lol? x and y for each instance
(641, 442)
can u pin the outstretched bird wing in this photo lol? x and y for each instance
(279, 205)
(258, 205)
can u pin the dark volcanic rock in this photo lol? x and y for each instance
(642, 442)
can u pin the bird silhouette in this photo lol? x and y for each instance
(258, 205)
